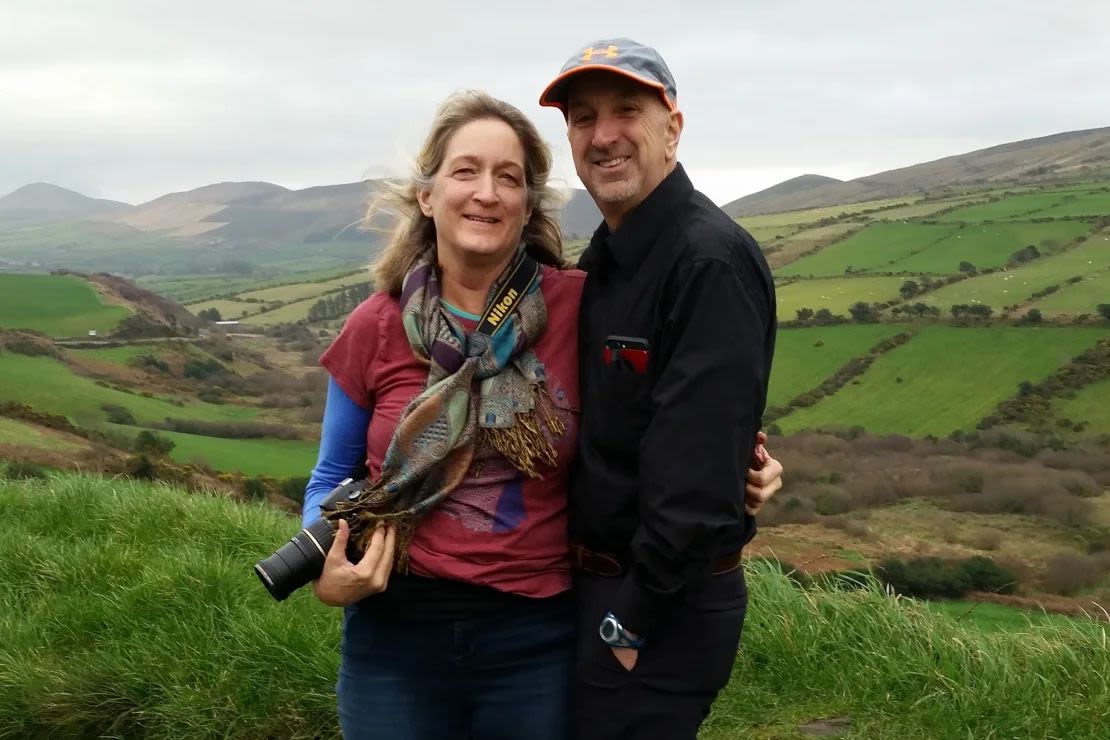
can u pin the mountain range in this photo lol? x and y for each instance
(43, 225)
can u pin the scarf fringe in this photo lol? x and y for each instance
(525, 444)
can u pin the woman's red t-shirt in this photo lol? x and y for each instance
(498, 528)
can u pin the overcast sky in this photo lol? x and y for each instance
(131, 99)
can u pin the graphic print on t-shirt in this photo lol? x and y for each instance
(490, 498)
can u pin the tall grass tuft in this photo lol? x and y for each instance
(129, 610)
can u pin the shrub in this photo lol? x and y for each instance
(20, 470)
(154, 445)
(1069, 573)
(118, 414)
(255, 489)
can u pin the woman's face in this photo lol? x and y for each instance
(478, 198)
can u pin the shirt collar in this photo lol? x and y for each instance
(631, 242)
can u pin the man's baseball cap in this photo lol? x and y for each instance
(620, 56)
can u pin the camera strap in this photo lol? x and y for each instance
(512, 292)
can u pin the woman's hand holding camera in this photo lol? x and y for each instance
(343, 582)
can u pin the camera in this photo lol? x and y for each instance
(301, 559)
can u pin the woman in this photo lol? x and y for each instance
(457, 383)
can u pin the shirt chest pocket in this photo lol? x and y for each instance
(626, 388)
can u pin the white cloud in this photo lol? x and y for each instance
(135, 98)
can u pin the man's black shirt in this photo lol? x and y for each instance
(676, 336)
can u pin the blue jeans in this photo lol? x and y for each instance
(505, 675)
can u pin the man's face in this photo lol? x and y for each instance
(623, 140)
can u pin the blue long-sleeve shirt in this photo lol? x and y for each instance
(342, 448)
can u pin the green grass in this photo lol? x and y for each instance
(990, 245)
(1078, 298)
(131, 611)
(1091, 404)
(878, 247)
(792, 247)
(835, 294)
(923, 209)
(813, 215)
(800, 365)
(58, 305)
(195, 288)
(1095, 203)
(994, 617)
(118, 355)
(229, 308)
(1013, 207)
(1014, 286)
(20, 434)
(274, 457)
(301, 291)
(950, 379)
(290, 312)
(48, 385)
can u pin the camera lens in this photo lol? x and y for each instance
(298, 561)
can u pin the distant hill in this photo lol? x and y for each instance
(1071, 155)
(579, 216)
(43, 201)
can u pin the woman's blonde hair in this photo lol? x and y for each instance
(413, 232)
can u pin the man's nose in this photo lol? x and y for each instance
(605, 132)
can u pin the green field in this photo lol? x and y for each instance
(990, 245)
(944, 379)
(58, 305)
(792, 247)
(1095, 203)
(193, 288)
(835, 294)
(229, 308)
(1015, 286)
(800, 365)
(273, 457)
(813, 215)
(922, 209)
(300, 291)
(1012, 207)
(996, 617)
(877, 248)
(13, 432)
(1079, 298)
(1091, 404)
(117, 355)
(131, 611)
(48, 385)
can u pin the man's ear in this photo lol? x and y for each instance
(424, 198)
(674, 133)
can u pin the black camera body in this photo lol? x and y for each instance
(301, 559)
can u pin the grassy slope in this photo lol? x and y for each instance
(951, 378)
(878, 247)
(990, 245)
(58, 305)
(21, 434)
(122, 626)
(1090, 405)
(48, 385)
(1079, 298)
(1014, 286)
(835, 294)
(272, 457)
(800, 365)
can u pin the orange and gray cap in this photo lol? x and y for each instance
(620, 56)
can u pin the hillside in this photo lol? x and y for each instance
(1070, 155)
(42, 201)
(216, 657)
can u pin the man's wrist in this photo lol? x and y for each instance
(614, 634)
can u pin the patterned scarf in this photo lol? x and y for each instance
(477, 385)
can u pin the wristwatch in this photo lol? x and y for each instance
(614, 634)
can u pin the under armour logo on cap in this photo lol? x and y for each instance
(625, 57)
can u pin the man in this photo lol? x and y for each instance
(676, 337)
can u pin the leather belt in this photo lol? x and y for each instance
(606, 564)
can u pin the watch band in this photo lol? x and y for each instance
(614, 634)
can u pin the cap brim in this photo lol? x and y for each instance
(552, 96)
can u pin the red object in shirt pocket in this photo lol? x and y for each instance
(627, 352)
